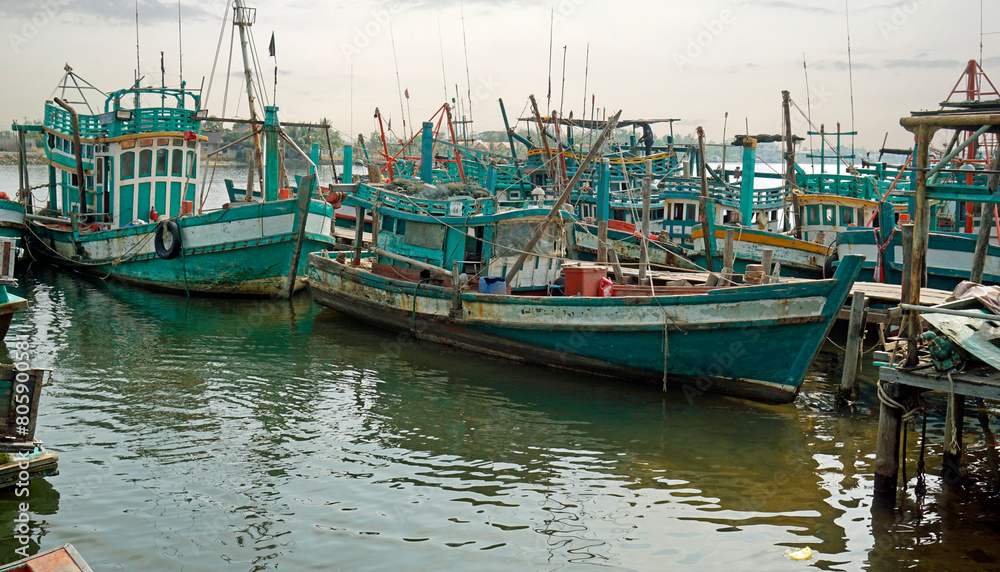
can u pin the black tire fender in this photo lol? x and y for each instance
(828, 269)
(167, 239)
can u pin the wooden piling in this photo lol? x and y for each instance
(855, 331)
(616, 266)
(765, 260)
(729, 254)
(602, 242)
(910, 290)
(647, 184)
(951, 465)
(890, 423)
(359, 233)
(985, 224)
(706, 225)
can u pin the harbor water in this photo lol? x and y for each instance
(233, 434)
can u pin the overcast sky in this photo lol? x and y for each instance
(653, 59)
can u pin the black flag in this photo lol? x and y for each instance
(270, 48)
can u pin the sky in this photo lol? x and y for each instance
(696, 61)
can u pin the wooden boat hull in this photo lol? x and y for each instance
(11, 219)
(798, 258)
(244, 250)
(62, 559)
(713, 340)
(949, 257)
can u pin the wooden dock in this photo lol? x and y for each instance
(885, 296)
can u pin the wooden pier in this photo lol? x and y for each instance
(929, 361)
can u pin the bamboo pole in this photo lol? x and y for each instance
(706, 225)
(647, 190)
(985, 224)
(790, 174)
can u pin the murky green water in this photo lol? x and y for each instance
(212, 434)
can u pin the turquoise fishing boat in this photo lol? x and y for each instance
(9, 303)
(465, 272)
(123, 184)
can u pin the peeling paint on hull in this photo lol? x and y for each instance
(245, 251)
(752, 342)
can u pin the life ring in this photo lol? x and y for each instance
(168, 239)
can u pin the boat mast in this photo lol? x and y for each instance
(243, 17)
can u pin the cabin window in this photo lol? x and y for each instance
(773, 216)
(846, 216)
(52, 141)
(177, 167)
(861, 216)
(829, 215)
(191, 170)
(425, 235)
(692, 213)
(400, 226)
(679, 211)
(90, 151)
(812, 214)
(128, 165)
(90, 182)
(163, 142)
(100, 171)
(178, 142)
(145, 142)
(161, 162)
(145, 163)
(191, 144)
(513, 237)
(387, 223)
(617, 214)
(656, 214)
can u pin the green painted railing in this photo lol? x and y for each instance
(145, 120)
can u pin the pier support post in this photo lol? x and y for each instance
(890, 424)
(603, 206)
(766, 257)
(647, 190)
(985, 224)
(729, 254)
(359, 234)
(951, 466)
(855, 331)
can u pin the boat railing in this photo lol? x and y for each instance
(122, 122)
(454, 207)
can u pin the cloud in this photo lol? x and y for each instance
(118, 11)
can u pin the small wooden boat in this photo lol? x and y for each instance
(62, 559)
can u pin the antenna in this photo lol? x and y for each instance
(586, 76)
(850, 71)
(399, 85)
(468, 80)
(562, 92)
(180, 45)
(809, 112)
(552, 25)
(444, 77)
(137, 66)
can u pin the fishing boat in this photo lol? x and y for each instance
(957, 175)
(470, 273)
(9, 303)
(122, 186)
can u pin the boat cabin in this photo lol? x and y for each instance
(134, 159)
